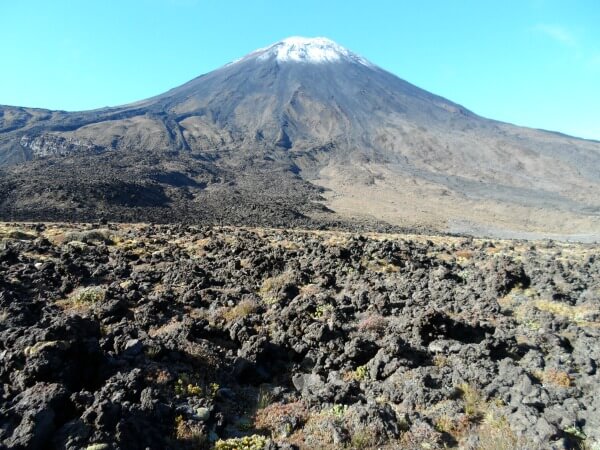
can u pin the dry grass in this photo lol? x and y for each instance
(271, 286)
(373, 322)
(167, 328)
(577, 314)
(310, 290)
(190, 432)
(83, 298)
(456, 426)
(553, 377)
(474, 405)
(379, 266)
(285, 244)
(281, 419)
(495, 434)
(241, 310)
(464, 254)
(440, 361)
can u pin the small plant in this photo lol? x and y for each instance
(472, 400)
(265, 398)
(363, 439)
(242, 309)
(440, 361)
(576, 432)
(88, 296)
(160, 376)
(554, 377)
(190, 432)
(361, 373)
(254, 442)
(269, 291)
(464, 254)
(338, 411)
(214, 388)
(373, 322)
(281, 418)
(152, 352)
(184, 387)
(323, 311)
(454, 426)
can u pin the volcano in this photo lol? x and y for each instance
(300, 133)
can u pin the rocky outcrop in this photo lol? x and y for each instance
(193, 337)
(48, 144)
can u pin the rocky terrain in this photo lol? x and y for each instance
(300, 121)
(155, 336)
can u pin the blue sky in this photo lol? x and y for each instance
(529, 62)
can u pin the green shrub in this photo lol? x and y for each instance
(88, 296)
(254, 442)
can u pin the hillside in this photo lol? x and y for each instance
(311, 133)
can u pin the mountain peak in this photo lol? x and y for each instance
(315, 50)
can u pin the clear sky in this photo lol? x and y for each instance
(529, 62)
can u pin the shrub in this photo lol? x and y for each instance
(20, 235)
(272, 287)
(190, 432)
(464, 254)
(554, 377)
(264, 398)
(242, 309)
(373, 322)
(88, 295)
(472, 400)
(339, 411)
(323, 311)
(281, 418)
(454, 426)
(254, 442)
(185, 387)
(363, 439)
(89, 236)
(495, 434)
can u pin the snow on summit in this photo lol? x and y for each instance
(309, 50)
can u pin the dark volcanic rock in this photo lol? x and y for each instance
(148, 336)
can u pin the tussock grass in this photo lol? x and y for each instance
(271, 286)
(83, 298)
(554, 377)
(577, 314)
(242, 309)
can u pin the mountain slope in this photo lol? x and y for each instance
(310, 115)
